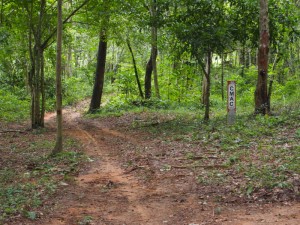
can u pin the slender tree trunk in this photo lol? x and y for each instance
(69, 67)
(154, 64)
(36, 73)
(36, 88)
(243, 60)
(261, 93)
(135, 70)
(148, 74)
(250, 58)
(1, 13)
(206, 86)
(43, 100)
(34, 92)
(100, 71)
(222, 77)
(204, 89)
(59, 137)
(36, 51)
(153, 12)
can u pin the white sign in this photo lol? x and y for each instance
(231, 101)
(231, 96)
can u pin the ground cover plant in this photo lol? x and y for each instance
(143, 87)
(263, 151)
(255, 158)
(12, 107)
(29, 176)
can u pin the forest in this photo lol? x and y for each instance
(145, 81)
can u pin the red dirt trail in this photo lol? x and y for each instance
(107, 193)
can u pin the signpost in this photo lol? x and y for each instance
(231, 102)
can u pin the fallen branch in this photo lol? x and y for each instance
(198, 166)
(12, 131)
(134, 168)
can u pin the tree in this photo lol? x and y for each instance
(148, 73)
(101, 59)
(100, 71)
(58, 147)
(202, 27)
(151, 66)
(206, 83)
(262, 104)
(36, 74)
(39, 40)
(135, 69)
(154, 52)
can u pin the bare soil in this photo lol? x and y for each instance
(129, 181)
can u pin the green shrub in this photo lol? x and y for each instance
(13, 108)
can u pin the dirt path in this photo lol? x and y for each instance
(108, 192)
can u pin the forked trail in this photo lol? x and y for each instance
(107, 193)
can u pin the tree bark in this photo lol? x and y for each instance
(154, 64)
(153, 13)
(36, 73)
(100, 71)
(206, 86)
(36, 50)
(149, 68)
(69, 67)
(222, 77)
(135, 69)
(206, 93)
(261, 93)
(43, 97)
(59, 137)
(1, 13)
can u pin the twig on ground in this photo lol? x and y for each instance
(12, 131)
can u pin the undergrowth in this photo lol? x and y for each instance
(29, 177)
(13, 108)
(263, 151)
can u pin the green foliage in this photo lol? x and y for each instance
(297, 133)
(119, 105)
(75, 89)
(13, 107)
(86, 220)
(16, 107)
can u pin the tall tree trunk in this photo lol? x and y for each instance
(36, 76)
(206, 86)
(154, 64)
(149, 68)
(261, 93)
(222, 77)
(100, 70)
(135, 69)
(69, 67)
(35, 91)
(36, 51)
(1, 13)
(59, 138)
(43, 100)
(243, 59)
(153, 13)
